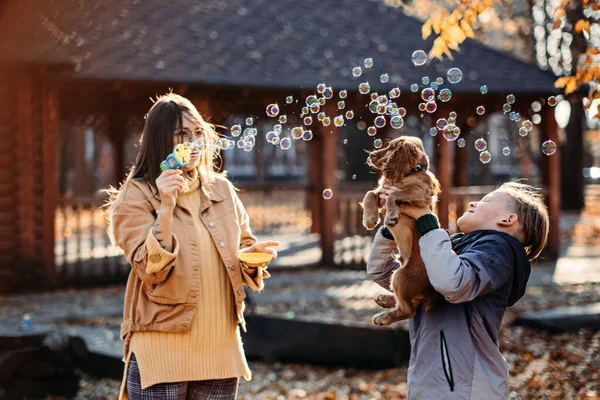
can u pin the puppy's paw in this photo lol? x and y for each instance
(370, 221)
(391, 220)
(385, 300)
(382, 319)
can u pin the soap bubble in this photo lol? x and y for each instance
(371, 131)
(394, 93)
(277, 128)
(396, 122)
(527, 124)
(368, 62)
(536, 106)
(374, 96)
(382, 99)
(381, 108)
(307, 120)
(321, 116)
(314, 108)
(452, 114)
(305, 110)
(441, 123)
(480, 144)
(349, 114)
(249, 121)
(272, 110)
(357, 71)
(523, 132)
(377, 143)
(428, 94)
(379, 121)
(241, 143)
(425, 80)
(402, 112)
(506, 107)
(506, 151)
(373, 105)
(327, 93)
(451, 120)
(414, 87)
(297, 132)
(480, 110)
(341, 105)
(536, 118)
(384, 78)
(285, 143)
(445, 95)
(326, 121)
(454, 75)
(451, 132)
(343, 94)
(271, 136)
(461, 142)
(552, 101)
(419, 57)
(322, 101)
(236, 130)
(483, 89)
(289, 100)
(321, 87)
(548, 147)
(433, 131)
(422, 106)
(510, 99)
(485, 157)
(311, 100)
(434, 85)
(327, 194)
(430, 107)
(307, 135)
(282, 119)
(338, 120)
(354, 176)
(345, 141)
(364, 88)
(439, 80)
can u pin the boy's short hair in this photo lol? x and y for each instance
(530, 207)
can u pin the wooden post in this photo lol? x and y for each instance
(551, 181)
(443, 171)
(51, 107)
(25, 181)
(314, 197)
(328, 207)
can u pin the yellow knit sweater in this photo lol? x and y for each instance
(212, 349)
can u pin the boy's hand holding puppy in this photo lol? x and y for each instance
(412, 211)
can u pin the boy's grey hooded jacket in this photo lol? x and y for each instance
(454, 347)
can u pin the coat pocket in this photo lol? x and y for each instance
(446, 363)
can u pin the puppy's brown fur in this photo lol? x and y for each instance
(409, 283)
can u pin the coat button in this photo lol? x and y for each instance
(154, 258)
(222, 244)
(231, 266)
(211, 224)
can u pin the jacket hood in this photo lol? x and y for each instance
(522, 266)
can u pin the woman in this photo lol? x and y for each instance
(181, 230)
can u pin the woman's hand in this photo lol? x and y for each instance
(170, 183)
(412, 211)
(261, 247)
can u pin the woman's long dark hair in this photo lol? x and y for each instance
(163, 120)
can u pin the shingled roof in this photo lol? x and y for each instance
(250, 43)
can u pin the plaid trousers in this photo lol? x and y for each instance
(214, 389)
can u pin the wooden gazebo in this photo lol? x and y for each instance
(67, 63)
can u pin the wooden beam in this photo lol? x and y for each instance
(51, 107)
(328, 181)
(314, 197)
(443, 171)
(551, 179)
(24, 161)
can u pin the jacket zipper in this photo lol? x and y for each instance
(446, 361)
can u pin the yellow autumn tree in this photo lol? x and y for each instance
(454, 27)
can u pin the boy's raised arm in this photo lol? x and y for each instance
(478, 271)
(382, 263)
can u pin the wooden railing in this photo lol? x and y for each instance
(84, 254)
